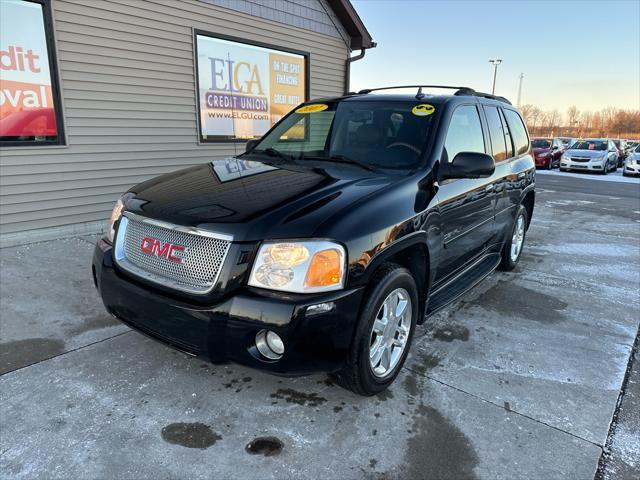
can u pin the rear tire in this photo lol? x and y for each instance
(512, 249)
(358, 374)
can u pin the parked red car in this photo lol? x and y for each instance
(547, 152)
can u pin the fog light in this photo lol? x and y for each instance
(269, 344)
(274, 342)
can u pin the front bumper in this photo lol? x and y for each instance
(597, 166)
(543, 162)
(226, 330)
(631, 169)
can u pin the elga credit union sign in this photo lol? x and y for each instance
(244, 89)
(26, 100)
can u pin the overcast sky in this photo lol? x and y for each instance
(583, 53)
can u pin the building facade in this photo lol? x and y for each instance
(98, 96)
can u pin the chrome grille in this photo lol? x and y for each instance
(581, 159)
(202, 259)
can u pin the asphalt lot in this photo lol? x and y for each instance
(519, 379)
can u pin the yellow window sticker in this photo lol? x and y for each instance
(423, 110)
(316, 107)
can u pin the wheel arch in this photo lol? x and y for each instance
(412, 253)
(529, 200)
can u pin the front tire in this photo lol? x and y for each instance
(515, 241)
(384, 332)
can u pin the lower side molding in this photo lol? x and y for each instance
(464, 282)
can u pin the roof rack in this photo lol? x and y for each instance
(459, 91)
(485, 95)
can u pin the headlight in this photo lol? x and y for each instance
(116, 213)
(565, 158)
(300, 267)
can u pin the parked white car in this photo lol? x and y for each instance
(593, 154)
(632, 163)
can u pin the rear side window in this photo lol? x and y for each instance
(496, 133)
(507, 135)
(465, 132)
(518, 131)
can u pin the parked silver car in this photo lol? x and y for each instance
(592, 154)
(632, 163)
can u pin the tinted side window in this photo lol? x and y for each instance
(518, 132)
(496, 133)
(465, 132)
(507, 136)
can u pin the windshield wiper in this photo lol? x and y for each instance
(344, 159)
(272, 152)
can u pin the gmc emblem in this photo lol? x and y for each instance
(155, 247)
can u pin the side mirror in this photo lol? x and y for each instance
(251, 144)
(470, 165)
(555, 147)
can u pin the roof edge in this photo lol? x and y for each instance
(353, 24)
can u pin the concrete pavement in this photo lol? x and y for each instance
(519, 379)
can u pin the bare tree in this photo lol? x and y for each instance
(572, 116)
(535, 116)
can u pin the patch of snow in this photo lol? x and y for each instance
(627, 443)
(612, 177)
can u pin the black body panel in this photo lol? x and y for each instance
(442, 226)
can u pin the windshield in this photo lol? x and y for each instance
(638, 149)
(370, 134)
(541, 143)
(590, 145)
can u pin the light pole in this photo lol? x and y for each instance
(520, 90)
(495, 62)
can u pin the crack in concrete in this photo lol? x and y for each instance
(66, 352)
(510, 410)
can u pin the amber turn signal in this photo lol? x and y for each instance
(325, 269)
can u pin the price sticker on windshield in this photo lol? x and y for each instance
(423, 110)
(316, 107)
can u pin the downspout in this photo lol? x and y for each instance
(347, 69)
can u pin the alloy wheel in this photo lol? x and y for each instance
(390, 333)
(517, 238)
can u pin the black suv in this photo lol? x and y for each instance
(323, 245)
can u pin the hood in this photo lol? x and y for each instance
(252, 200)
(541, 151)
(586, 153)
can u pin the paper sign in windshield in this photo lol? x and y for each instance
(316, 107)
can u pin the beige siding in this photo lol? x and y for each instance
(127, 76)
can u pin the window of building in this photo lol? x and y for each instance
(30, 110)
(245, 88)
(496, 133)
(465, 132)
(518, 131)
